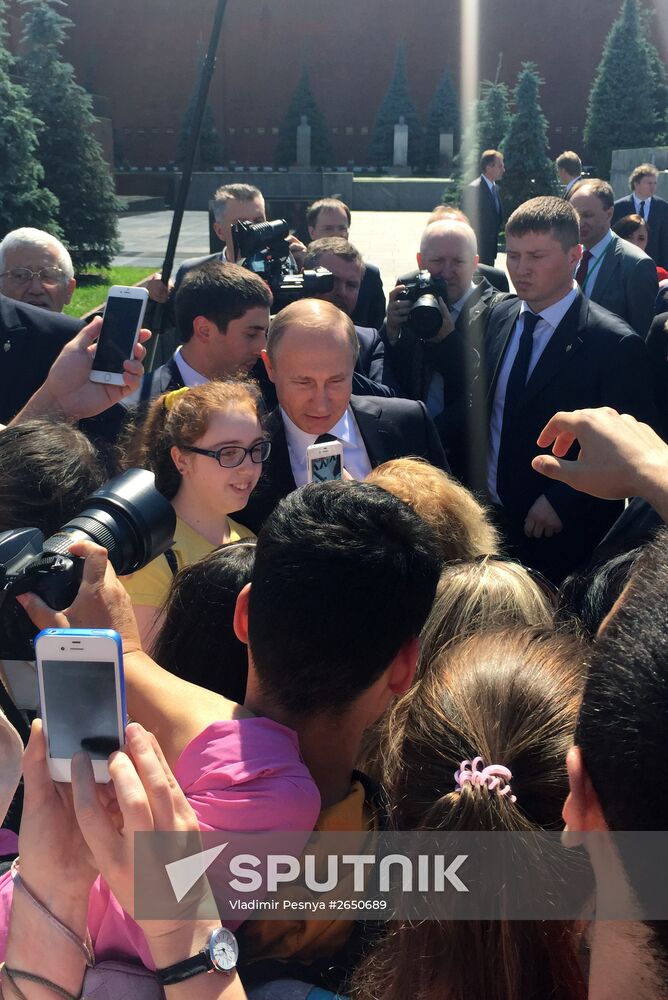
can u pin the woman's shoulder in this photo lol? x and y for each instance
(239, 531)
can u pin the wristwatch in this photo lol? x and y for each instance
(219, 954)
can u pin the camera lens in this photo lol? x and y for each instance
(425, 317)
(127, 516)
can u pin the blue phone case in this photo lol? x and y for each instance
(85, 632)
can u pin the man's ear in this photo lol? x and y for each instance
(71, 286)
(202, 329)
(582, 811)
(403, 667)
(269, 368)
(311, 232)
(240, 620)
(219, 231)
(418, 256)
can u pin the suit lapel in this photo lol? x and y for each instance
(376, 437)
(607, 270)
(495, 346)
(561, 349)
(277, 470)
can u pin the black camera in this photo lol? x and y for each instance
(127, 516)
(425, 318)
(262, 247)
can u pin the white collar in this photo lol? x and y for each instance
(190, 377)
(459, 304)
(490, 184)
(646, 201)
(300, 440)
(601, 246)
(554, 314)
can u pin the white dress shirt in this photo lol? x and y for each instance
(648, 205)
(355, 459)
(190, 377)
(494, 190)
(550, 320)
(435, 400)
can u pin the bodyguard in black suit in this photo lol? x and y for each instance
(552, 350)
(310, 357)
(644, 202)
(482, 204)
(31, 338)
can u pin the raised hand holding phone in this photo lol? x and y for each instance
(123, 317)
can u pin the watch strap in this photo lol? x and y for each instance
(189, 967)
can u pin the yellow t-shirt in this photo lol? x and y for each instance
(149, 586)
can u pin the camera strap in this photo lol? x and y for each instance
(170, 556)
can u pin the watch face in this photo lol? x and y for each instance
(224, 950)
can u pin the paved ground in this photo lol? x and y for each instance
(388, 239)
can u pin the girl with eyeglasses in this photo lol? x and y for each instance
(206, 447)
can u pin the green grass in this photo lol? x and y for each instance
(91, 293)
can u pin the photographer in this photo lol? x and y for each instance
(439, 365)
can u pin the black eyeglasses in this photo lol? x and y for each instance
(232, 455)
(47, 275)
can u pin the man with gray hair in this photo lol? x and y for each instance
(36, 268)
(442, 371)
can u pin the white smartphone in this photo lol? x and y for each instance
(324, 462)
(82, 697)
(123, 317)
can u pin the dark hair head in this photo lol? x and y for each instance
(570, 162)
(622, 723)
(197, 640)
(546, 215)
(219, 291)
(629, 225)
(587, 597)
(181, 418)
(488, 158)
(314, 210)
(47, 471)
(344, 577)
(510, 697)
(331, 244)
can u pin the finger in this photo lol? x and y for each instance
(181, 804)
(538, 529)
(528, 526)
(37, 780)
(90, 333)
(95, 560)
(40, 614)
(556, 468)
(548, 531)
(96, 825)
(560, 423)
(130, 794)
(159, 784)
(144, 335)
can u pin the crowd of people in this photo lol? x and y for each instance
(464, 633)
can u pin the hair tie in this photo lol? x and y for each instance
(170, 398)
(495, 777)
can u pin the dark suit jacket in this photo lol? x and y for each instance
(370, 308)
(31, 338)
(478, 204)
(657, 348)
(390, 428)
(626, 284)
(593, 359)
(657, 222)
(494, 275)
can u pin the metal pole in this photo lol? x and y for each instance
(179, 207)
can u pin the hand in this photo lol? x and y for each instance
(297, 249)
(102, 601)
(68, 391)
(619, 457)
(397, 313)
(157, 290)
(447, 326)
(56, 864)
(542, 521)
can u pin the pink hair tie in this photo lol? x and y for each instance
(495, 777)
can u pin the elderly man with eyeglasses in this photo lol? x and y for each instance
(36, 268)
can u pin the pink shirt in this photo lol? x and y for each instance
(244, 775)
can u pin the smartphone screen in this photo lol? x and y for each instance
(323, 470)
(118, 333)
(81, 708)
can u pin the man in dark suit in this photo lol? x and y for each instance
(643, 202)
(310, 358)
(569, 171)
(31, 339)
(443, 371)
(612, 272)
(482, 204)
(329, 217)
(552, 350)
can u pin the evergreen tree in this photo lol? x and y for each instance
(74, 167)
(397, 102)
(488, 124)
(301, 103)
(529, 169)
(208, 147)
(660, 88)
(622, 107)
(24, 201)
(442, 116)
